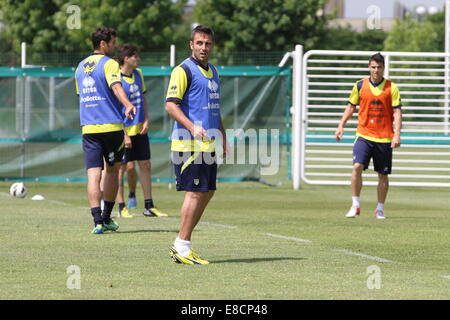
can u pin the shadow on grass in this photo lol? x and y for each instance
(145, 231)
(255, 260)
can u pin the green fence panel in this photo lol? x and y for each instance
(40, 135)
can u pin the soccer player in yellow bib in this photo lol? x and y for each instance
(102, 99)
(193, 101)
(137, 146)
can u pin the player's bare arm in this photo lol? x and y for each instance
(145, 124)
(225, 146)
(397, 128)
(127, 140)
(347, 115)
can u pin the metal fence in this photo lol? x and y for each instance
(422, 78)
(40, 136)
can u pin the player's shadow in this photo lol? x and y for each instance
(148, 230)
(255, 260)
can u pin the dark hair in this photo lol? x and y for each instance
(127, 50)
(202, 29)
(100, 34)
(377, 57)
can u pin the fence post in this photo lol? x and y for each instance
(51, 103)
(297, 99)
(447, 65)
(23, 54)
(387, 65)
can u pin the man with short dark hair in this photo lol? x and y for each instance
(378, 131)
(101, 99)
(193, 101)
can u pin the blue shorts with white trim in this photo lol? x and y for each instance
(99, 146)
(381, 153)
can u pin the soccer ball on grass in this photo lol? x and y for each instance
(18, 190)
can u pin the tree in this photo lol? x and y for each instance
(29, 21)
(438, 22)
(346, 38)
(47, 25)
(412, 36)
(263, 25)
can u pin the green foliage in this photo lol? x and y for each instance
(256, 26)
(152, 25)
(346, 38)
(413, 36)
(262, 25)
(438, 22)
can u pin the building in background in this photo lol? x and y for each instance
(335, 7)
(369, 14)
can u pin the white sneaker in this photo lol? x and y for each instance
(353, 212)
(379, 214)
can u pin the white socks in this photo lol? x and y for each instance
(182, 246)
(355, 202)
(380, 206)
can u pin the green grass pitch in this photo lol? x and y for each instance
(263, 243)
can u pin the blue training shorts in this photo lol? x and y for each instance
(105, 145)
(381, 153)
(195, 171)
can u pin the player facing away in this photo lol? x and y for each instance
(378, 131)
(193, 101)
(101, 99)
(137, 146)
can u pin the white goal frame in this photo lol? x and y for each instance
(322, 82)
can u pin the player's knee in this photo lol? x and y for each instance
(358, 167)
(383, 178)
(145, 165)
(113, 169)
(130, 165)
(197, 195)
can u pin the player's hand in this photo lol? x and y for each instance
(225, 149)
(127, 141)
(339, 134)
(199, 133)
(395, 142)
(144, 127)
(130, 112)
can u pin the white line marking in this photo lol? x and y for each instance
(287, 238)
(59, 202)
(446, 277)
(362, 255)
(218, 225)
